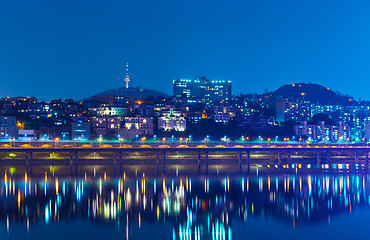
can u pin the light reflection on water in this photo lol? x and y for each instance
(188, 207)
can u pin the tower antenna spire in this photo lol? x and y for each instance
(127, 77)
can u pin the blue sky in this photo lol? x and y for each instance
(61, 49)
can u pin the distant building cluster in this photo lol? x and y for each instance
(202, 90)
(199, 108)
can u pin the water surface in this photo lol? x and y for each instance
(264, 203)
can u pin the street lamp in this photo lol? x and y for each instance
(120, 141)
(56, 142)
(180, 141)
(142, 140)
(268, 142)
(10, 141)
(227, 142)
(223, 139)
(100, 139)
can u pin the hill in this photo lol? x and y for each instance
(135, 93)
(310, 92)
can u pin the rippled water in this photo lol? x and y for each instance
(262, 204)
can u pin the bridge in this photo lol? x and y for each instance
(160, 152)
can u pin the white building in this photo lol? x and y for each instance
(109, 111)
(106, 122)
(172, 121)
(221, 117)
(136, 126)
(27, 135)
(322, 132)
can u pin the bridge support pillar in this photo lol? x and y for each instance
(114, 162)
(30, 154)
(289, 157)
(240, 161)
(120, 162)
(199, 160)
(279, 158)
(367, 161)
(206, 161)
(76, 162)
(157, 162)
(356, 157)
(249, 160)
(329, 156)
(71, 162)
(164, 162)
(27, 161)
(318, 158)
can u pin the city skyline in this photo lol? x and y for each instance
(184, 119)
(255, 45)
(107, 92)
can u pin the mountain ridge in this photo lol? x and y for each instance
(135, 93)
(312, 92)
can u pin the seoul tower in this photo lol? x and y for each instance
(127, 77)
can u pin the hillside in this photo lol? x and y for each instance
(310, 92)
(136, 93)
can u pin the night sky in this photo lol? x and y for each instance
(70, 48)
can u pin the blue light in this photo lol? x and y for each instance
(46, 214)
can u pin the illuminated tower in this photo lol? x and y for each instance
(127, 77)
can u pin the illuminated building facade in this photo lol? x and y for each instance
(106, 122)
(26, 135)
(52, 132)
(221, 117)
(80, 131)
(193, 118)
(8, 127)
(292, 111)
(136, 126)
(202, 90)
(172, 121)
(109, 111)
(322, 132)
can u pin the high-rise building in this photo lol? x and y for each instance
(292, 111)
(8, 127)
(323, 132)
(202, 90)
